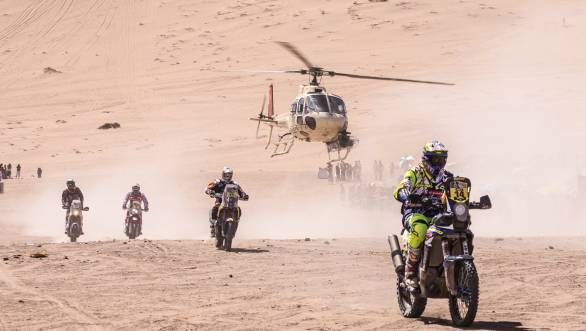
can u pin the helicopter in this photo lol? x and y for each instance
(315, 115)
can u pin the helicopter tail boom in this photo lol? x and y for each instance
(271, 112)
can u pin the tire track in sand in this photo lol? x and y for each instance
(79, 316)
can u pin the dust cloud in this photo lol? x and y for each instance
(513, 125)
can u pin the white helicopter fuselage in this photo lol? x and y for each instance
(326, 129)
(314, 116)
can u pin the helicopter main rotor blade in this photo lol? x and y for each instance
(303, 71)
(293, 50)
(332, 73)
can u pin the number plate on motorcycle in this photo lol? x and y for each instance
(459, 190)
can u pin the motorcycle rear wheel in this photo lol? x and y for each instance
(410, 305)
(219, 237)
(464, 306)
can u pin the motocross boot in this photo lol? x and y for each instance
(411, 267)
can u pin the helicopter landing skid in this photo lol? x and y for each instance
(286, 141)
(342, 152)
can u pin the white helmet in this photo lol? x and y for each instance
(227, 174)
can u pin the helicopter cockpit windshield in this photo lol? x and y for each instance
(337, 105)
(317, 102)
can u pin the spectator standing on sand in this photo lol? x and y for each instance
(39, 172)
(381, 170)
(18, 170)
(349, 173)
(357, 170)
(337, 172)
(9, 170)
(330, 172)
(342, 171)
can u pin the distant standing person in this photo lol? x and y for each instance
(337, 172)
(357, 170)
(9, 170)
(381, 170)
(330, 172)
(343, 171)
(39, 172)
(18, 170)
(348, 172)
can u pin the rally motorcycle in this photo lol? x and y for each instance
(446, 269)
(75, 219)
(228, 216)
(133, 221)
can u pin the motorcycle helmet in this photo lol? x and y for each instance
(70, 184)
(136, 188)
(435, 156)
(227, 174)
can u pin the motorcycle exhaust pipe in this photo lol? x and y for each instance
(396, 254)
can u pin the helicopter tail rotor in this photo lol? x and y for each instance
(261, 115)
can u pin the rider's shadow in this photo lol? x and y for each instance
(249, 250)
(477, 325)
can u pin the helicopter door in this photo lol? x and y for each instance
(300, 108)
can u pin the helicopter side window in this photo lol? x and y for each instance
(337, 105)
(293, 107)
(317, 102)
(300, 103)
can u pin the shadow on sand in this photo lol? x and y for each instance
(249, 250)
(477, 325)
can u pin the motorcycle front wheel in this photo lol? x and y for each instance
(229, 236)
(463, 307)
(131, 231)
(73, 232)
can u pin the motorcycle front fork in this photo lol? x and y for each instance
(449, 264)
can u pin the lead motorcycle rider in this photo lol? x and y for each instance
(71, 193)
(421, 188)
(135, 195)
(217, 187)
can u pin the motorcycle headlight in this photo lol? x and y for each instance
(76, 213)
(461, 212)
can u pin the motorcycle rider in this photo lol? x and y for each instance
(217, 187)
(71, 193)
(422, 194)
(135, 195)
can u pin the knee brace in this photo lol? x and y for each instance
(417, 234)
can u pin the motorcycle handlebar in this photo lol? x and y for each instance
(220, 195)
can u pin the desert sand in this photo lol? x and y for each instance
(170, 72)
